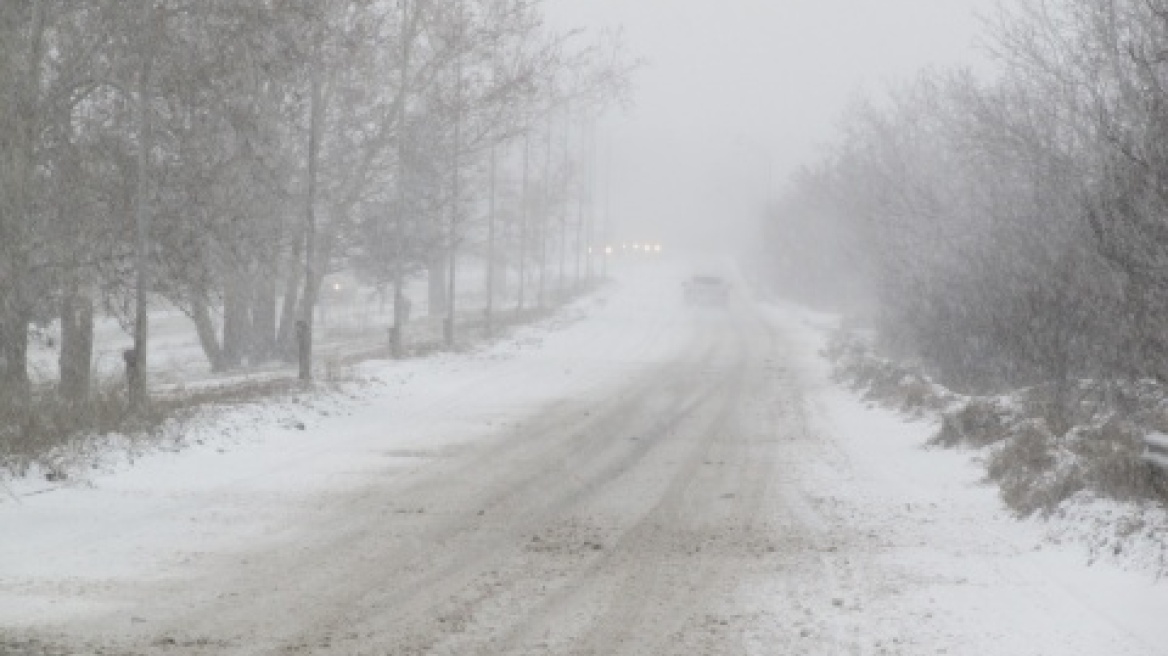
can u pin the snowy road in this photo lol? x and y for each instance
(648, 480)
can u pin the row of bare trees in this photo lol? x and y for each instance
(1007, 229)
(224, 156)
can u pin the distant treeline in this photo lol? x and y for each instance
(1006, 229)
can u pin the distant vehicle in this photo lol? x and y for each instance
(338, 289)
(707, 290)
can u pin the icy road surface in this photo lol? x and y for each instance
(641, 478)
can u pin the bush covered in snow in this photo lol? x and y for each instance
(884, 380)
(1044, 444)
(974, 422)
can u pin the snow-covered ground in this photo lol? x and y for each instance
(856, 540)
(239, 478)
(921, 531)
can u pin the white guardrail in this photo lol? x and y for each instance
(1156, 452)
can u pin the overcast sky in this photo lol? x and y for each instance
(733, 89)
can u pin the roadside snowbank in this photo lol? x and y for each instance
(921, 537)
(1086, 485)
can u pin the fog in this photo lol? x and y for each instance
(227, 172)
(735, 95)
(318, 334)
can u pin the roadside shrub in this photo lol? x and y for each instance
(1112, 462)
(919, 394)
(1046, 442)
(978, 422)
(881, 380)
(45, 431)
(1032, 471)
(34, 426)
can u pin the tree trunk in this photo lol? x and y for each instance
(456, 199)
(205, 328)
(586, 233)
(579, 245)
(14, 323)
(584, 243)
(289, 308)
(137, 378)
(304, 328)
(263, 313)
(15, 215)
(545, 217)
(76, 358)
(401, 309)
(236, 321)
(489, 311)
(436, 277)
(564, 210)
(524, 200)
(401, 317)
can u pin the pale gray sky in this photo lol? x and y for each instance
(734, 88)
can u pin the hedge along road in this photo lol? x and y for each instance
(651, 479)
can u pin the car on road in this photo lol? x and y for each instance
(707, 290)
